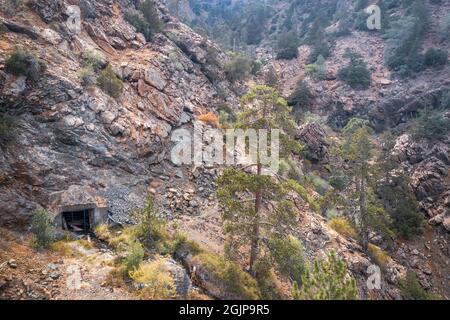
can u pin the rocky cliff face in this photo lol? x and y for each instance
(67, 134)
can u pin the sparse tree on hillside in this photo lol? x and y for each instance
(358, 154)
(255, 206)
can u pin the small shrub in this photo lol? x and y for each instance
(151, 228)
(24, 63)
(256, 67)
(3, 29)
(271, 78)
(304, 194)
(150, 12)
(400, 202)
(412, 289)
(287, 47)
(327, 279)
(288, 256)
(156, 280)
(320, 49)
(102, 232)
(182, 246)
(380, 257)
(239, 68)
(146, 20)
(93, 59)
(137, 20)
(42, 230)
(343, 227)
(62, 248)
(356, 74)
(302, 97)
(320, 185)
(430, 125)
(120, 239)
(86, 244)
(236, 283)
(87, 76)
(110, 83)
(134, 257)
(210, 118)
(436, 57)
(268, 284)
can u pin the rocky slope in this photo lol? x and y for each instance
(69, 135)
(75, 140)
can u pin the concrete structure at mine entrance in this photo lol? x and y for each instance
(78, 209)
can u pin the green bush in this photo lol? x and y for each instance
(321, 48)
(436, 57)
(404, 40)
(134, 256)
(151, 229)
(93, 59)
(24, 63)
(412, 289)
(268, 283)
(356, 74)
(156, 280)
(146, 20)
(430, 125)
(137, 20)
(236, 283)
(318, 69)
(271, 78)
(110, 83)
(301, 98)
(327, 279)
(378, 256)
(42, 229)
(402, 206)
(343, 227)
(287, 47)
(88, 76)
(288, 256)
(239, 68)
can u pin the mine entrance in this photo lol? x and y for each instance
(77, 221)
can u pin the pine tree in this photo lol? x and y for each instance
(255, 206)
(358, 153)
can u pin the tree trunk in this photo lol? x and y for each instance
(255, 240)
(363, 213)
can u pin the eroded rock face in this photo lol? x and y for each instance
(428, 164)
(69, 134)
(313, 136)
